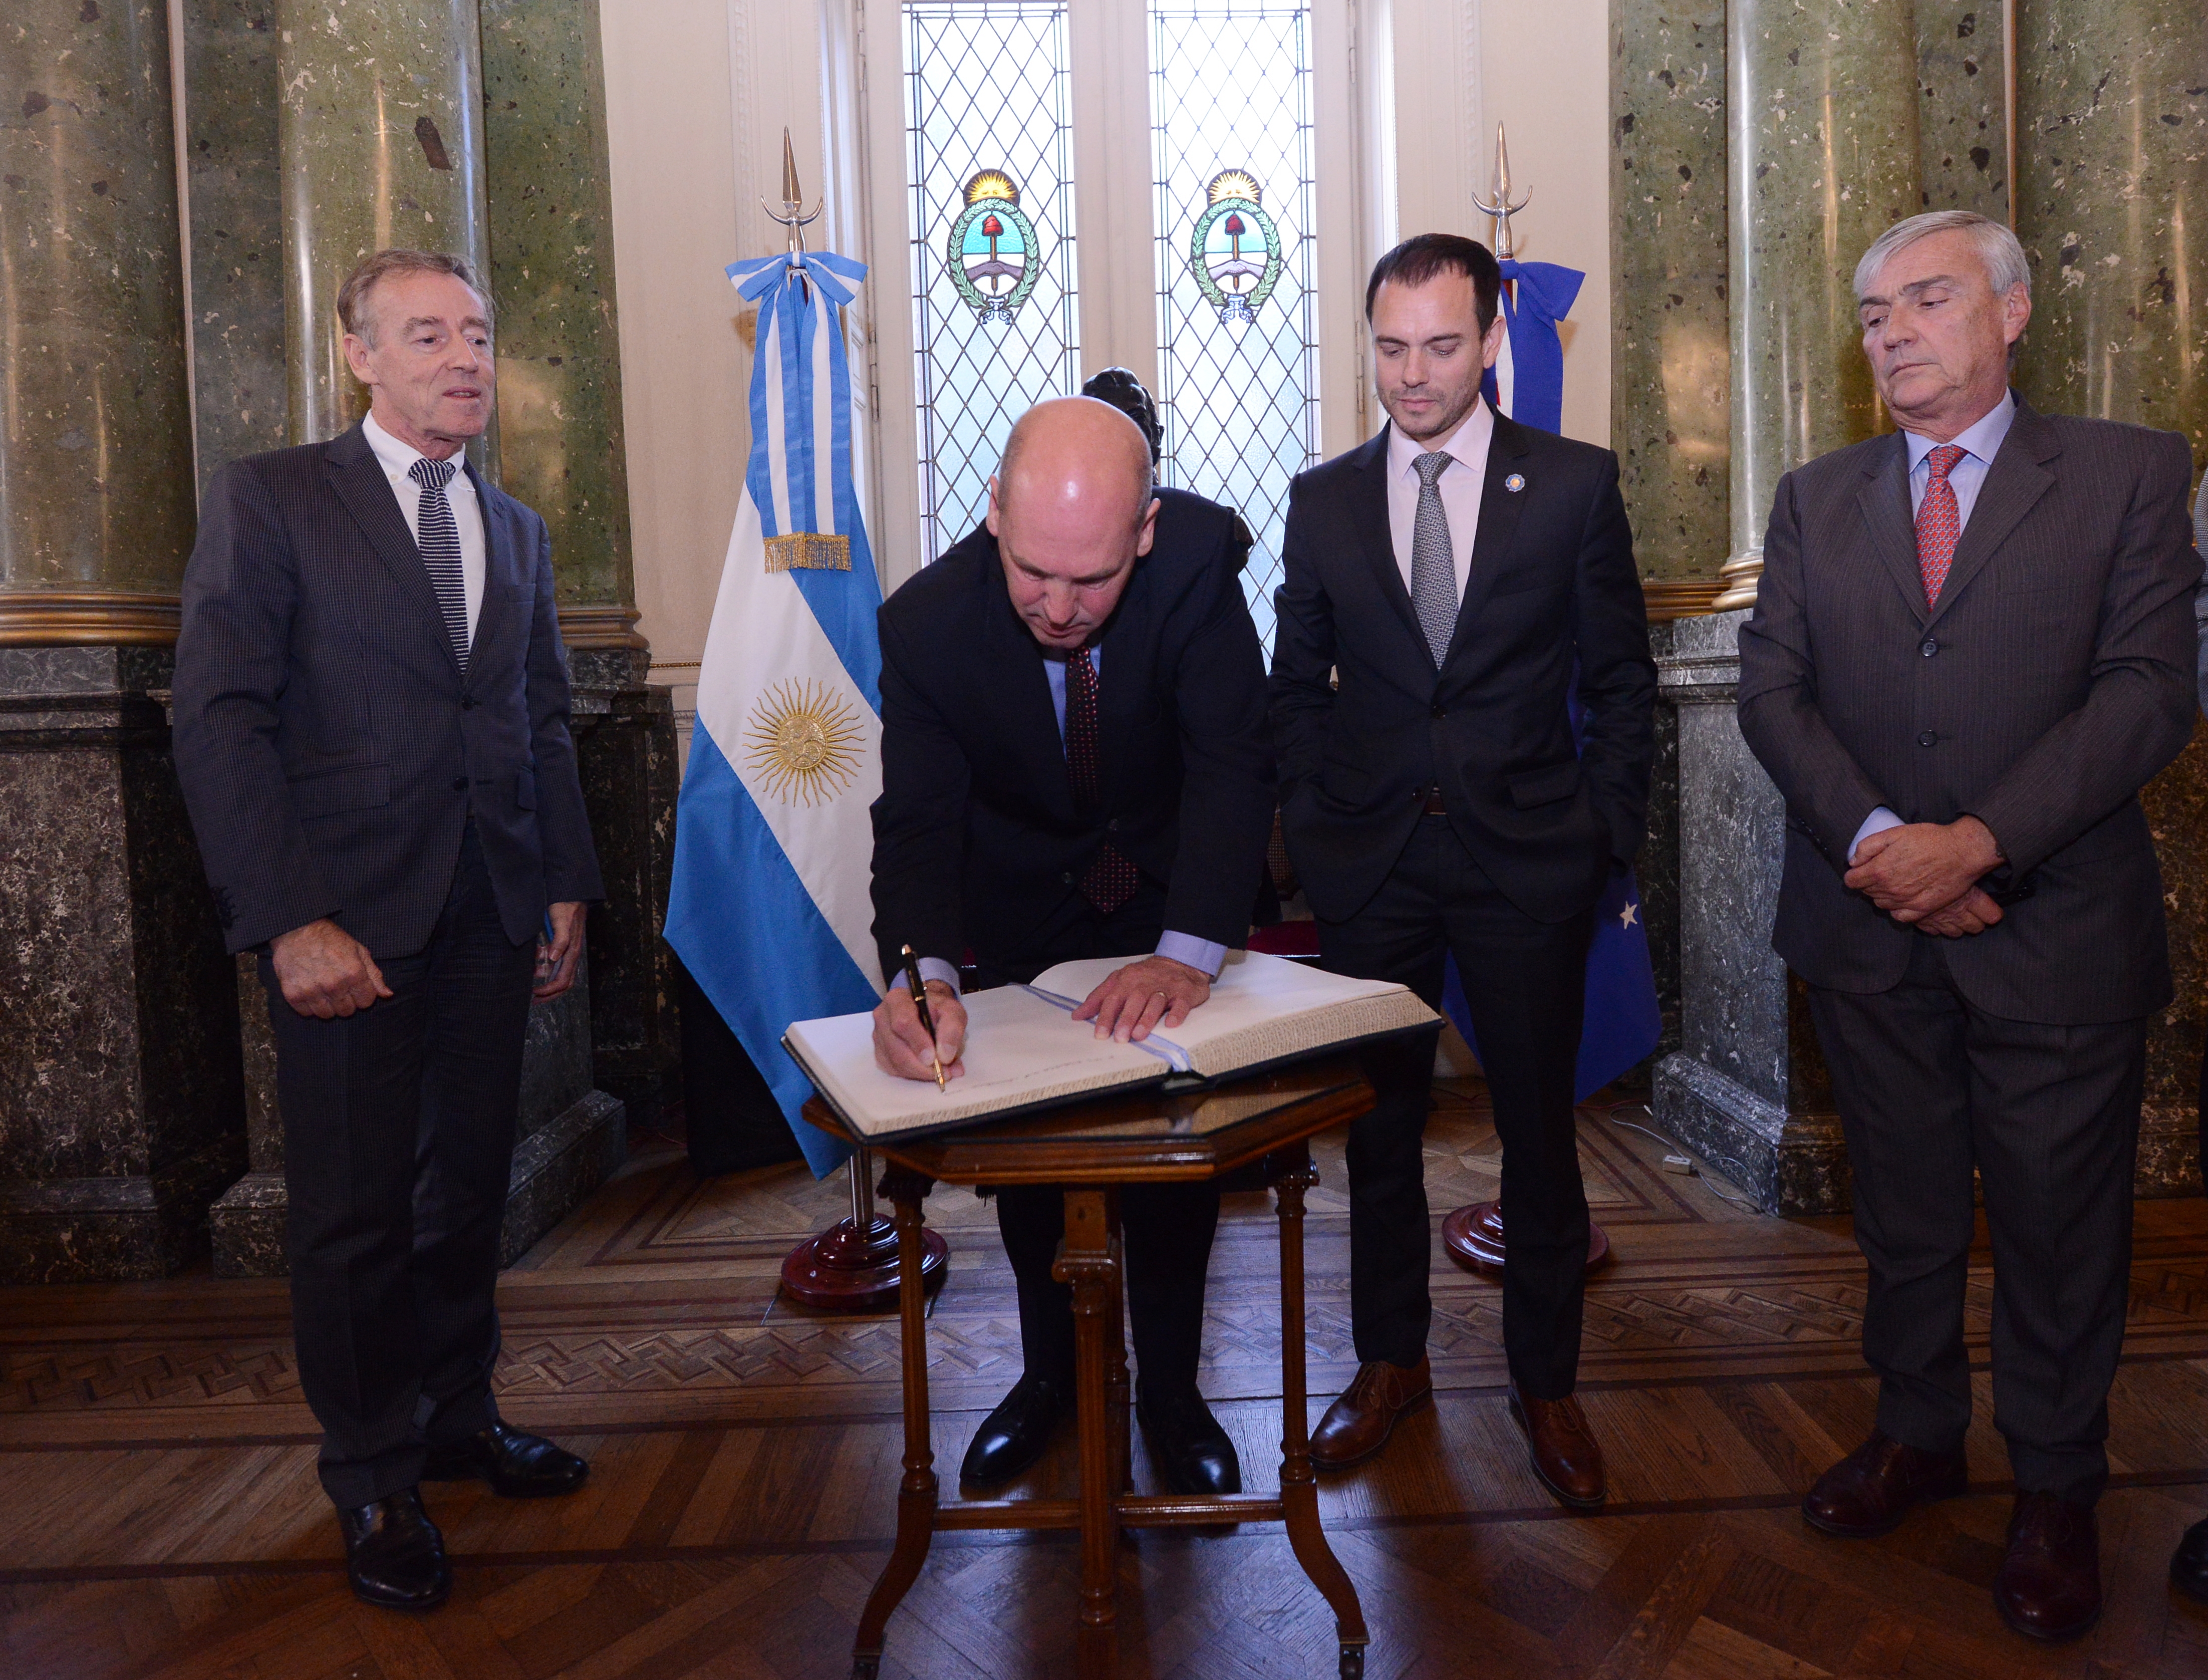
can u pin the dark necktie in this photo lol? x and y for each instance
(1938, 522)
(1110, 880)
(440, 542)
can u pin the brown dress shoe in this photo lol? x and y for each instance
(2049, 1584)
(1566, 1456)
(1873, 1488)
(1358, 1424)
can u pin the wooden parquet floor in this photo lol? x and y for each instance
(159, 1515)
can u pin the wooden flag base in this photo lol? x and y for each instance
(1473, 1237)
(852, 1266)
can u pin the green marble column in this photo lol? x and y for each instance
(561, 451)
(2112, 207)
(1669, 350)
(380, 135)
(550, 193)
(96, 503)
(231, 188)
(1822, 159)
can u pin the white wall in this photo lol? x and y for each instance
(1543, 70)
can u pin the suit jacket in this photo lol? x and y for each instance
(977, 836)
(329, 749)
(1552, 600)
(2052, 681)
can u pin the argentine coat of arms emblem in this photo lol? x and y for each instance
(991, 250)
(1234, 249)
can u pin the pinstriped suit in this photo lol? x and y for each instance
(2051, 680)
(336, 763)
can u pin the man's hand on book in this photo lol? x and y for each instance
(901, 1044)
(1156, 992)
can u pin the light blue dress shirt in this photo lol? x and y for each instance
(1205, 956)
(1982, 440)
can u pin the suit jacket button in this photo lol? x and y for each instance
(1440, 712)
(1113, 826)
(1067, 877)
(1926, 739)
(459, 784)
(467, 703)
(1930, 648)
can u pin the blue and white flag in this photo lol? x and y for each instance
(1623, 1021)
(769, 908)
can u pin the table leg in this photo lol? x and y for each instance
(1299, 1487)
(1089, 1260)
(916, 1493)
(1118, 1389)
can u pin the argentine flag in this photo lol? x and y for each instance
(769, 908)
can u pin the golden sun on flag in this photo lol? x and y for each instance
(801, 742)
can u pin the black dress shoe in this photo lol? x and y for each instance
(517, 1465)
(2188, 1569)
(1195, 1453)
(394, 1556)
(1013, 1436)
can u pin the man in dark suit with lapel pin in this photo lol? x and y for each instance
(371, 730)
(1447, 585)
(1972, 644)
(1075, 763)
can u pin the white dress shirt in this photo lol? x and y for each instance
(398, 460)
(1461, 484)
(1982, 441)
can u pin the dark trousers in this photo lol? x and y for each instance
(1525, 983)
(1928, 1088)
(1166, 1230)
(399, 1125)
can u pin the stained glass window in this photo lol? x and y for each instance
(989, 160)
(1237, 362)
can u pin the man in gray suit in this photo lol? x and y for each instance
(371, 729)
(1972, 644)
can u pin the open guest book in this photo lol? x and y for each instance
(1024, 1050)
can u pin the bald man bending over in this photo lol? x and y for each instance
(1075, 763)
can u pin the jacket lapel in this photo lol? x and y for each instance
(1499, 513)
(358, 477)
(2017, 479)
(1030, 722)
(507, 604)
(1884, 500)
(1368, 512)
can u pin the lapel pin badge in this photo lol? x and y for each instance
(1515, 482)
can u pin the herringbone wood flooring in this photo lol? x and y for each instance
(159, 1517)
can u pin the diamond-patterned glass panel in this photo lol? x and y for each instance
(989, 160)
(1237, 362)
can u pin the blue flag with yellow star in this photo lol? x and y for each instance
(1623, 1021)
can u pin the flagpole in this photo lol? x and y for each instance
(1473, 1234)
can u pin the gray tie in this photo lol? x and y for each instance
(1433, 561)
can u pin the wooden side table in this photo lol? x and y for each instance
(1093, 1147)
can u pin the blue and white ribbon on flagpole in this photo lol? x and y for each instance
(1623, 1021)
(770, 906)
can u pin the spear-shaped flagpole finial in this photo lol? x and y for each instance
(1502, 208)
(794, 215)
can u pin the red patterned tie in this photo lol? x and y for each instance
(1938, 522)
(1110, 880)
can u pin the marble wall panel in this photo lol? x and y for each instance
(95, 426)
(550, 205)
(1668, 402)
(1962, 129)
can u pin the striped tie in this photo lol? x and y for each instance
(440, 542)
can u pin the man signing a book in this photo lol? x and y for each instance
(1075, 764)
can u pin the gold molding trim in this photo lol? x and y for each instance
(602, 628)
(78, 618)
(1687, 597)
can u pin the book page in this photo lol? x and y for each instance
(1262, 1009)
(1020, 1049)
